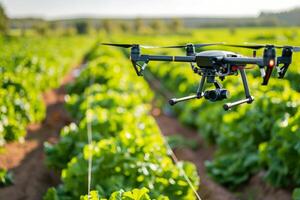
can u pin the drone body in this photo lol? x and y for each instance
(217, 63)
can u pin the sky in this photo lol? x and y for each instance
(52, 9)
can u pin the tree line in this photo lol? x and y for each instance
(142, 25)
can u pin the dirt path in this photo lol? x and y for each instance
(26, 160)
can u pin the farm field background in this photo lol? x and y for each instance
(260, 140)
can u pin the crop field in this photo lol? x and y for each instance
(115, 140)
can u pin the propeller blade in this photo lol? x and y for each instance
(208, 44)
(149, 47)
(247, 46)
(174, 47)
(195, 45)
(129, 45)
(296, 49)
(118, 45)
(255, 47)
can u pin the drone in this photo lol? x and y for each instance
(211, 64)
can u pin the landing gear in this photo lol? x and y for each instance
(217, 94)
(249, 99)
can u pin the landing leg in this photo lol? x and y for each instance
(249, 99)
(198, 95)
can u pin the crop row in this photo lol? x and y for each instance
(28, 67)
(128, 149)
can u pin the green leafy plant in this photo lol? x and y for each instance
(280, 155)
(178, 141)
(135, 194)
(6, 178)
(296, 194)
(26, 70)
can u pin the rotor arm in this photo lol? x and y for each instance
(137, 59)
(248, 60)
(243, 61)
(169, 58)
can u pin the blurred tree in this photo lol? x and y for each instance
(41, 28)
(176, 25)
(110, 26)
(3, 20)
(53, 27)
(125, 27)
(23, 30)
(269, 21)
(59, 28)
(106, 24)
(82, 27)
(98, 26)
(139, 25)
(232, 30)
(158, 26)
(69, 31)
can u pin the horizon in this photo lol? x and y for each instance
(56, 9)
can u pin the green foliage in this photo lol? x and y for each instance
(41, 28)
(135, 194)
(178, 141)
(114, 107)
(280, 155)
(296, 194)
(128, 150)
(82, 27)
(26, 72)
(254, 130)
(3, 20)
(129, 161)
(158, 26)
(5, 178)
(51, 195)
(176, 25)
(233, 169)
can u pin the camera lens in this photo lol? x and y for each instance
(211, 95)
(224, 94)
(216, 95)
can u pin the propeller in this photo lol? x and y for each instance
(165, 47)
(195, 45)
(296, 49)
(260, 46)
(129, 45)
(247, 46)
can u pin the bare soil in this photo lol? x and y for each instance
(26, 160)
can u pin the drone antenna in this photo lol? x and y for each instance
(254, 54)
